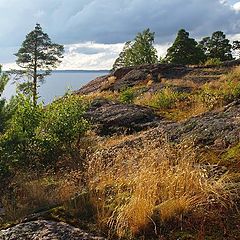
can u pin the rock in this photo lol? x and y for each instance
(216, 129)
(132, 78)
(212, 130)
(111, 117)
(45, 230)
(93, 86)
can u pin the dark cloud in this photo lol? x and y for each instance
(113, 21)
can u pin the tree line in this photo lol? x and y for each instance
(184, 50)
(38, 55)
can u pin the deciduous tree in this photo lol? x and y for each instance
(137, 52)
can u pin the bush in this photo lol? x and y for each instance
(18, 140)
(127, 95)
(165, 98)
(219, 93)
(213, 62)
(38, 135)
(63, 125)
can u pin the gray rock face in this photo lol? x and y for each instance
(217, 129)
(45, 230)
(111, 117)
(213, 130)
(130, 76)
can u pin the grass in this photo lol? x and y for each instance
(150, 186)
(156, 190)
(163, 99)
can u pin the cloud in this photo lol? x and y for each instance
(236, 6)
(113, 21)
(109, 22)
(91, 56)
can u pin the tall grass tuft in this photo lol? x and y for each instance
(152, 184)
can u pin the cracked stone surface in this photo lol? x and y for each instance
(45, 230)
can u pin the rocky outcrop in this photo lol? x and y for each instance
(214, 130)
(45, 230)
(111, 117)
(93, 86)
(131, 76)
(218, 129)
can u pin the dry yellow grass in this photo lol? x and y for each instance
(103, 94)
(43, 193)
(153, 183)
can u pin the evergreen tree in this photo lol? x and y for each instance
(37, 57)
(184, 50)
(217, 46)
(137, 52)
(236, 48)
(3, 82)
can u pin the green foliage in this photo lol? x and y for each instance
(236, 48)
(38, 135)
(165, 98)
(217, 46)
(217, 96)
(18, 140)
(137, 52)
(37, 57)
(127, 95)
(213, 62)
(3, 82)
(184, 50)
(231, 156)
(64, 120)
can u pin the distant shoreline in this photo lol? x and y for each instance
(67, 71)
(76, 71)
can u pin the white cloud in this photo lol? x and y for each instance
(102, 56)
(236, 6)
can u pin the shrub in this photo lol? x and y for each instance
(213, 62)
(127, 95)
(62, 127)
(38, 135)
(219, 93)
(165, 99)
(18, 141)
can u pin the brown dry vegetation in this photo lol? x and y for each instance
(154, 191)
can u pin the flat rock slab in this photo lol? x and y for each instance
(112, 117)
(45, 230)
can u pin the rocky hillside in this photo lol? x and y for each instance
(131, 76)
(169, 112)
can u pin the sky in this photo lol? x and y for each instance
(94, 31)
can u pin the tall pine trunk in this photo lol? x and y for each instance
(34, 87)
(34, 90)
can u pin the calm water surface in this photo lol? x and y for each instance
(58, 83)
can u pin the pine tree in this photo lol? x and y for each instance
(3, 82)
(236, 48)
(217, 46)
(184, 50)
(37, 57)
